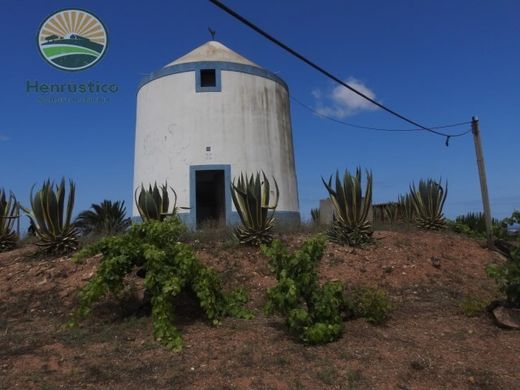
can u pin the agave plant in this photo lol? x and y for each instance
(315, 215)
(105, 218)
(153, 203)
(406, 208)
(8, 213)
(351, 223)
(251, 196)
(51, 219)
(392, 212)
(428, 201)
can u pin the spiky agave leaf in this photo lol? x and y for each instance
(51, 219)
(154, 203)
(406, 208)
(8, 214)
(351, 224)
(251, 197)
(106, 218)
(315, 216)
(428, 202)
(392, 212)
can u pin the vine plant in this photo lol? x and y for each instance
(314, 313)
(170, 268)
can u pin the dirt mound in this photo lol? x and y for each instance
(428, 343)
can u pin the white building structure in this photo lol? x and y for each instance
(205, 118)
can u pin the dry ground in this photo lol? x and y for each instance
(427, 344)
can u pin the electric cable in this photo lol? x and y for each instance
(327, 73)
(316, 112)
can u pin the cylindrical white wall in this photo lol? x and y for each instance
(246, 124)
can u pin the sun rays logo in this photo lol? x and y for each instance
(72, 39)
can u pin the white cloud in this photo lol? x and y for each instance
(316, 93)
(341, 102)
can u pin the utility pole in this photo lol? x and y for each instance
(475, 129)
(18, 220)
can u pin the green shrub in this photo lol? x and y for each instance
(52, 218)
(472, 307)
(170, 268)
(500, 229)
(507, 276)
(314, 312)
(373, 304)
(474, 221)
(8, 214)
(474, 225)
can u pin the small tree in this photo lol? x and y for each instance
(105, 218)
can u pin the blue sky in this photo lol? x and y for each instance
(436, 61)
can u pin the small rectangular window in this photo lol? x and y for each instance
(208, 78)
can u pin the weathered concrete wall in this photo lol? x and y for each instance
(246, 125)
(326, 211)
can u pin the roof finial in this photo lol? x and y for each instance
(212, 32)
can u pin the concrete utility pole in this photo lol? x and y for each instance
(483, 181)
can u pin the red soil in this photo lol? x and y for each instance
(427, 344)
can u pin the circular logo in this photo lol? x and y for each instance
(72, 39)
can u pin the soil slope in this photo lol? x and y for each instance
(427, 344)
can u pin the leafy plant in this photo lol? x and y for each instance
(513, 219)
(428, 202)
(315, 216)
(406, 208)
(170, 268)
(501, 228)
(154, 203)
(507, 276)
(392, 212)
(52, 218)
(313, 312)
(351, 223)
(474, 225)
(474, 221)
(373, 304)
(251, 196)
(105, 218)
(8, 213)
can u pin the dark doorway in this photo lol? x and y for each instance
(210, 197)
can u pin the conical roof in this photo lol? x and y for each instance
(212, 51)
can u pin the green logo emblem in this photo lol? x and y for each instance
(72, 39)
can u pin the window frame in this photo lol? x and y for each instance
(198, 79)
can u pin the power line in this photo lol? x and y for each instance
(306, 106)
(323, 71)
